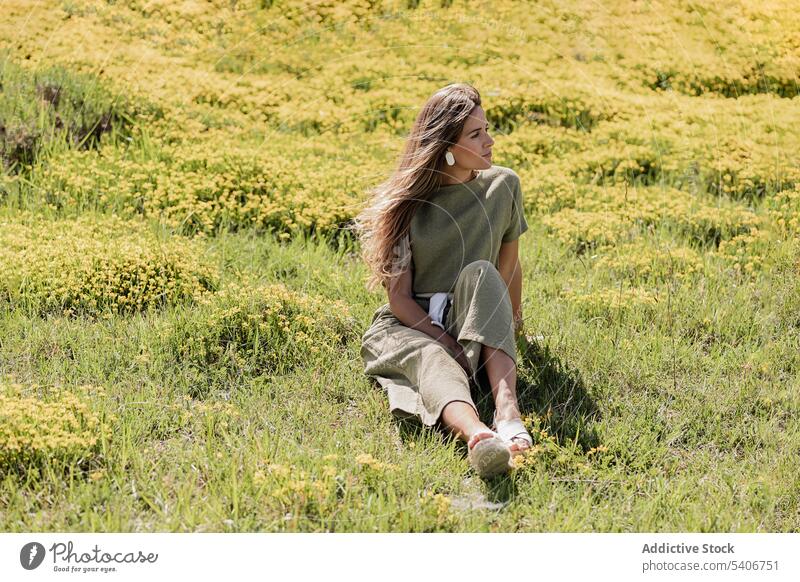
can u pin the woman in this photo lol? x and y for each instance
(440, 235)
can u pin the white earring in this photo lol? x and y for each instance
(451, 160)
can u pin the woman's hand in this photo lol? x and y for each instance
(519, 325)
(457, 351)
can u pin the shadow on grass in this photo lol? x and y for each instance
(546, 387)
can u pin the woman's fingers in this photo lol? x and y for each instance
(462, 359)
(457, 351)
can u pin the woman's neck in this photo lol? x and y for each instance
(459, 178)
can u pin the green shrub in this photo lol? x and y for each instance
(55, 108)
(91, 266)
(268, 328)
(39, 425)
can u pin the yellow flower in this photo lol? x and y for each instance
(97, 475)
(366, 459)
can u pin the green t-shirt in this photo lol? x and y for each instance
(462, 223)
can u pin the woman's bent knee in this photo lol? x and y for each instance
(480, 264)
(481, 267)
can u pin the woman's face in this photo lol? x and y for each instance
(473, 150)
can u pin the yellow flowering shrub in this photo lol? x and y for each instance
(90, 265)
(767, 62)
(743, 168)
(617, 153)
(759, 77)
(553, 458)
(636, 262)
(746, 252)
(548, 192)
(545, 447)
(582, 230)
(266, 325)
(605, 216)
(567, 119)
(617, 162)
(277, 76)
(784, 209)
(678, 210)
(291, 487)
(538, 104)
(56, 424)
(712, 225)
(610, 303)
(438, 504)
(190, 417)
(367, 460)
(202, 188)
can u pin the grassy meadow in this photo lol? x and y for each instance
(182, 301)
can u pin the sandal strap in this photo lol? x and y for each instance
(511, 429)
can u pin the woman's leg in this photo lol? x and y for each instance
(481, 320)
(459, 418)
(502, 373)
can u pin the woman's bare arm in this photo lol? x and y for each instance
(408, 311)
(511, 272)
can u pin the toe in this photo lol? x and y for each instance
(518, 445)
(479, 436)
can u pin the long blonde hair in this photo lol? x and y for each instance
(383, 225)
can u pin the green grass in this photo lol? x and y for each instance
(690, 438)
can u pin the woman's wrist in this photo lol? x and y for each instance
(449, 341)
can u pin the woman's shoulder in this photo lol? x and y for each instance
(502, 175)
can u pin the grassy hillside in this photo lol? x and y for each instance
(181, 301)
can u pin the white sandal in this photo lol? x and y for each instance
(511, 429)
(490, 456)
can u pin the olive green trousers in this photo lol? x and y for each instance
(421, 375)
